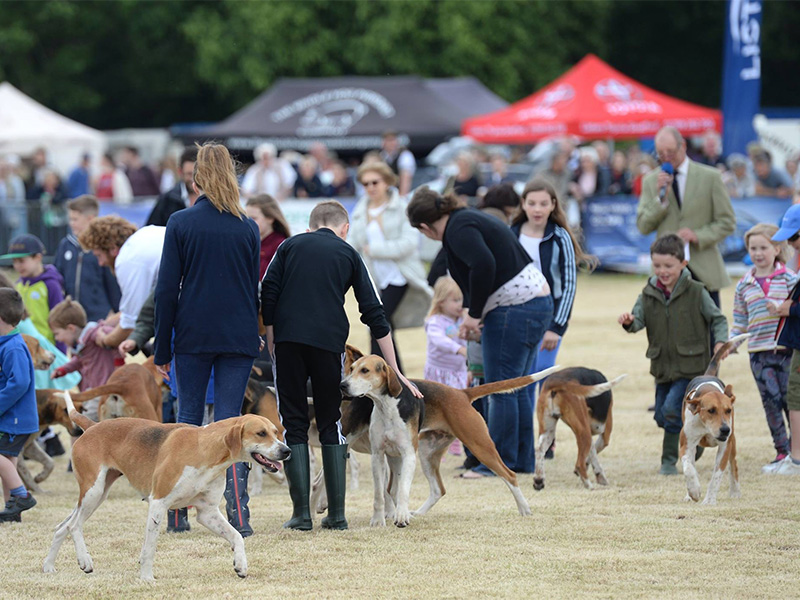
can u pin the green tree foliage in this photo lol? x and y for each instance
(141, 63)
(513, 47)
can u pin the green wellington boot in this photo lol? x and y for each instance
(669, 453)
(334, 461)
(298, 475)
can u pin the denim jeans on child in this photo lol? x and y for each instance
(669, 403)
(510, 341)
(230, 382)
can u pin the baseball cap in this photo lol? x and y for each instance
(790, 224)
(24, 245)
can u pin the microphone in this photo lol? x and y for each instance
(666, 168)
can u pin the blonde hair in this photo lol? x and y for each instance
(766, 230)
(442, 289)
(67, 312)
(381, 168)
(215, 174)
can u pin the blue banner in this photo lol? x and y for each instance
(610, 232)
(741, 79)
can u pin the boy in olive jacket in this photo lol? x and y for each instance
(677, 312)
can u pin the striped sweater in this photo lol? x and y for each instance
(750, 314)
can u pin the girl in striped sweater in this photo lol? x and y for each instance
(768, 282)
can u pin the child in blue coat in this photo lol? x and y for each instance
(18, 413)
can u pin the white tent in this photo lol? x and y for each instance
(26, 125)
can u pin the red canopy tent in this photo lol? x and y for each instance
(591, 100)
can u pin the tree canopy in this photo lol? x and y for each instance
(138, 63)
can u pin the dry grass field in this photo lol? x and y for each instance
(634, 539)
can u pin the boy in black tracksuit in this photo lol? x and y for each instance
(302, 303)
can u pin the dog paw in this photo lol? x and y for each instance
(709, 501)
(587, 484)
(39, 478)
(241, 569)
(402, 518)
(601, 479)
(48, 568)
(735, 494)
(538, 484)
(85, 563)
(377, 522)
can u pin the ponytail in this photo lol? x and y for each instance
(215, 174)
(427, 207)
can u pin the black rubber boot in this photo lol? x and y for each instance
(334, 461)
(669, 453)
(236, 498)
(298, 475)
(178, 520)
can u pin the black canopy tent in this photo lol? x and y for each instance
(349, 114)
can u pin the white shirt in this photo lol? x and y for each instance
(405, 162)
(531, 245)
(136, 269)
(274, 180)
(681, 173)
(523, 287)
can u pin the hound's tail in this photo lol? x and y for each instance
(730, 346)
(100, 390)
(507, 385)
(79, 419)
(584, 391)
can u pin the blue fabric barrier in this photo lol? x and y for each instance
(610, 233)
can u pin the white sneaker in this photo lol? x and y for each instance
(788, 467)
(771, 468)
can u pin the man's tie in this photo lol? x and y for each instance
(676, 189)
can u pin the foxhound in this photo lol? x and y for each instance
(172, 465)
(582, 399)
(131, 391)
(386, 420)
(708, 422)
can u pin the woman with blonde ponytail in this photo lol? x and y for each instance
(206, 314)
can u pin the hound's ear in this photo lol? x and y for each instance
(351, 355)
(233, 440)
(729, 392)
(393, 382)
(693, 401)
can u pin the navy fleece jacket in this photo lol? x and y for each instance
(207, 287)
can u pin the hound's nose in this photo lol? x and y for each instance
(343, 387)
(285, 453)
(724, 430)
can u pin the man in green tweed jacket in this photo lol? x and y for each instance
(700, 212)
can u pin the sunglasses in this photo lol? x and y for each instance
(794, 237)
(370, 183)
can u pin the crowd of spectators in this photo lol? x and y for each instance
(578, 172)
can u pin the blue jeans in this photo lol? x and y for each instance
(230, 382)
(510, 341)
(669, 403)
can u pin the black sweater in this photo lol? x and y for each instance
(482, 255)
(302, 294)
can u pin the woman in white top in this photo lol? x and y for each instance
(381, 233)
